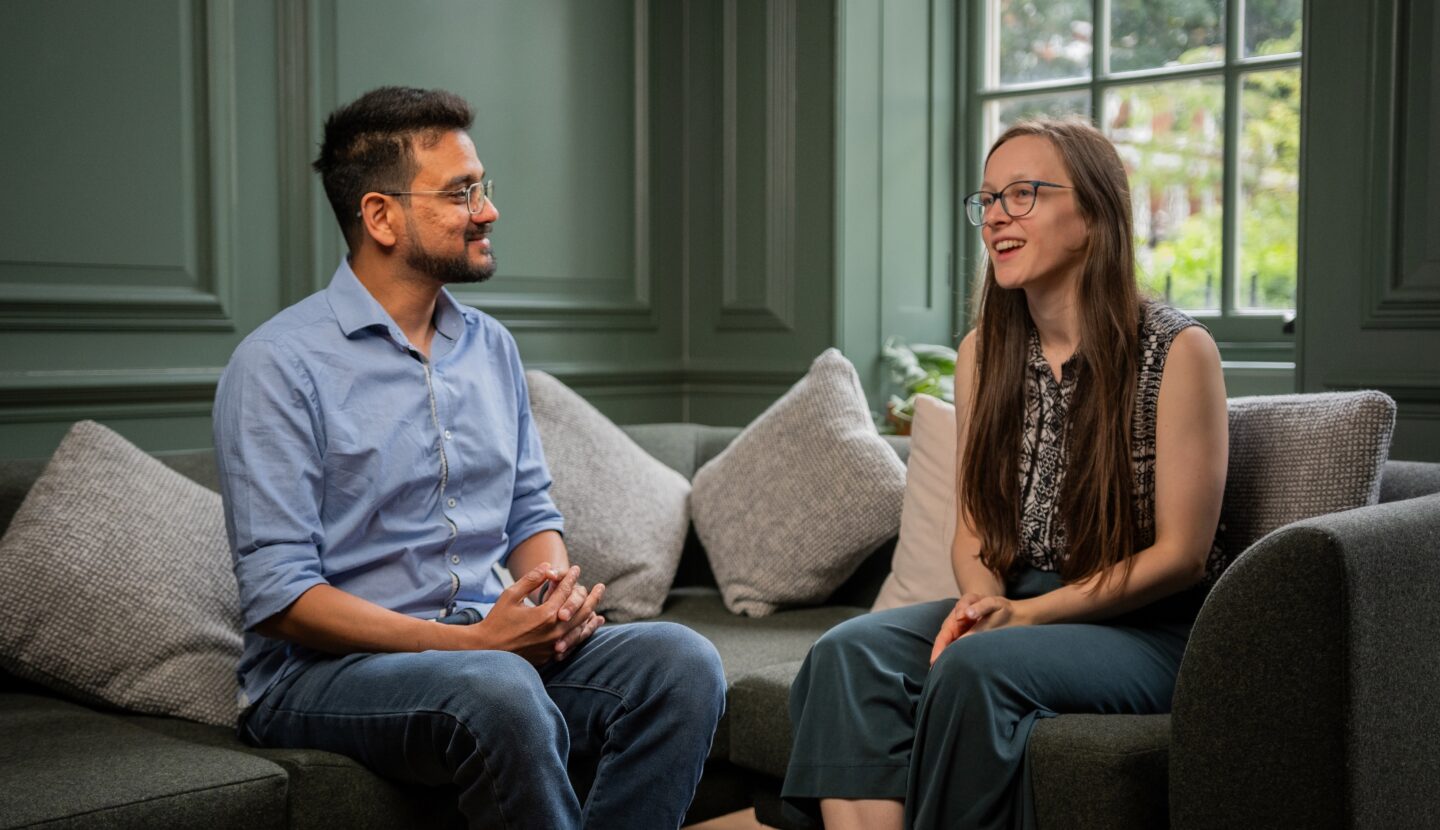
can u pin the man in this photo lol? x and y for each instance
(380, 470)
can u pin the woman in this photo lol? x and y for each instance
(1092, 436)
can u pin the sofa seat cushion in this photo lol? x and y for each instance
(760, 718)
(327, 789)
(749, 644)
(1101, 771)
(70, 766)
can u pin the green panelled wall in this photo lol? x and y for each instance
(1369, 303)
(141, 167)
(666, 176)
(697, 196)
(895, 214)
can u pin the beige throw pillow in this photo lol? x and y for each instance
(116, 584)
(794, 504)
(921, 570)
(626, 513)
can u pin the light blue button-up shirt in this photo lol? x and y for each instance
(347, 459)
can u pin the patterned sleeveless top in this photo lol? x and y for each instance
(1045, 444)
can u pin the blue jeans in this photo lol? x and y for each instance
(642, 700)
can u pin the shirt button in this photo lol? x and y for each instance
(447, 435)
(450, 503)
(455, 559)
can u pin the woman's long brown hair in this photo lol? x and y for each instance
(1096, 501)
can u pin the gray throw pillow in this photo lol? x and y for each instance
(626, 514)
(116, 584)
(1297, 456)
(792, 507)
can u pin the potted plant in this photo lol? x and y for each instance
(919, 369)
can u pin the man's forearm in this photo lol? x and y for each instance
(545, 546)
(328, 619)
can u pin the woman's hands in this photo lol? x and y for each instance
(974, 612)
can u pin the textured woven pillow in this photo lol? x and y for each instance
(116, 584)
(626, 514)
(921, 570)
(793, 505)
(1297, 456)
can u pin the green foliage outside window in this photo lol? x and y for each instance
(1170, 132)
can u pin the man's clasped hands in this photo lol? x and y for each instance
(544, 615)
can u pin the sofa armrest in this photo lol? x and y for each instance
(1305, 698)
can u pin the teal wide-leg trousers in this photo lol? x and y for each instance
(872, 718)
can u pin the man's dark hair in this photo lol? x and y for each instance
(368, 144)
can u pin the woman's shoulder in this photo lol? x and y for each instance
(1159, 321)
(1172, 343)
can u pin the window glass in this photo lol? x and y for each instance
(1170, 137)
(1002, 113)
(1228, 252)
(1269, 189)
(1040, 40)
(1272, 27)
(1149, 34)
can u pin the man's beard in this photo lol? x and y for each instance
(451, 269)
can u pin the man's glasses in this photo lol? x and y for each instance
(1017, 199)
(475, 196)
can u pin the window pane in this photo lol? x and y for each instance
(1006, 111)
(1170, 136)
(1269, 189)
(1145, 34)
(1272, 27)
(1039, 40)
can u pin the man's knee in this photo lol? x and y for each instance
(688, 664)
(497, 690)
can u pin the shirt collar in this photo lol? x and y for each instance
(1035, 356)
(356, 309)
(451, 317)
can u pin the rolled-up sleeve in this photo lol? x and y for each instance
(531, 508)
(268, 452)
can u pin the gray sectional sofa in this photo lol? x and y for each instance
(1305, 699)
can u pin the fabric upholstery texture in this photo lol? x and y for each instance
(69, 766)
(1100, 771)
(116, 584)
(1314, 721)
(1408, 479)
(1297, 456)
(759, 709)
(626, 514)
(747, 645)
(326, 789)
(921, 570)
(1260, 696)
(792, 506)
(683, 448)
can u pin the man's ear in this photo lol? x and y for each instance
(375, 215)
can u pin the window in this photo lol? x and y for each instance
(1202, 99)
